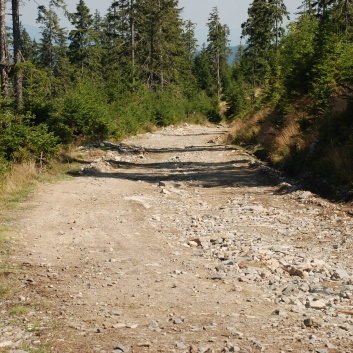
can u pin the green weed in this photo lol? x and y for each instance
(20, 310)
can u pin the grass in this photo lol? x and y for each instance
(4, 291)
(20, 310)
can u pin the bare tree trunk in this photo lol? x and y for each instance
(132, 34)
(160, 46)
(218, 67)
(4, 63)
(17, 53)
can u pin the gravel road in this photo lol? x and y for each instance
(175, 242)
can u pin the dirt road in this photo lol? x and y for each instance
(177, 243)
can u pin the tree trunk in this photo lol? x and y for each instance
(17, 53)
(4, 64)
(132, 34)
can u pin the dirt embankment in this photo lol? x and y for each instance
(180, 245)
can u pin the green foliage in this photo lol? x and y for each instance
(20, 140)
(20, 310)
(297, 55)
(81, 36)
(84, 113)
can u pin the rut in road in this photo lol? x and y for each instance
(182, 244)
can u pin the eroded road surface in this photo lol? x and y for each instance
(175, 242)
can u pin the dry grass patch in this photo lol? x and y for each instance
(18, 182)
(245, 130)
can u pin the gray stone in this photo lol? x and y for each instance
(204, 350)
(291, 289)
(311, 322)
(340, 273)
(316, 304)
(280, 312)
(121, 348)
(217, 276)
(181, 345)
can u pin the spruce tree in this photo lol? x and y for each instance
(29, 47)
(81, 37)
(262, 31)
(218, 48)
(190, 41)
(120, 31)
(159, 32)
(52, 51)
(203, 72)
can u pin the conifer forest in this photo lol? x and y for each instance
(288, 93)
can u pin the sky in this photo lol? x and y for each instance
(232, 12)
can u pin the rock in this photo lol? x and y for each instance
(154, 326)
(193, 244)
(178, 321)
(204, 350)
(293, 271)
(117, 312)
(340, 273)
(280, 312)
(311, 322)
(291, 289)
(144, 344)
(5, 344)
(181, 345)
(316, 304)
(121, 348)
(217, 276)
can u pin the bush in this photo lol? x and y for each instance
(21, 141)
(84, 114)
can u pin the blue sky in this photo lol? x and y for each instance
(232, 12)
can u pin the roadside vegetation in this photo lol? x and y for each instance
(295, 106)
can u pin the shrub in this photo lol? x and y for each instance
(20, 140)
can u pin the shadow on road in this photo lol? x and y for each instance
(236, 173)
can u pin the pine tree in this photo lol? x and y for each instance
(218, 48)
(81, 37)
